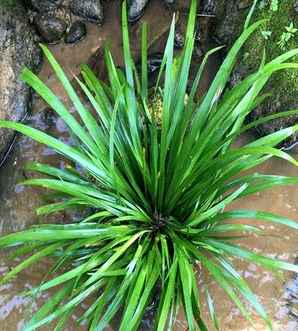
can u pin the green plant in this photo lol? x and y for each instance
(274, 5)
(287, 36)
(158, 191)
(266, 34)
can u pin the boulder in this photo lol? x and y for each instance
(18, 48)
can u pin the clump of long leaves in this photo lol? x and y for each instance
(157, 189)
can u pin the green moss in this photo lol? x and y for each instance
(7, 3)
(285, 83)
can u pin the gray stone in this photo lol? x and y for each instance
(50, 28)
(136, 9)
(91, 10)
(45, 5)
(76, 32)
(18, 48)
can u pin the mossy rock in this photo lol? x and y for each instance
(284, 85)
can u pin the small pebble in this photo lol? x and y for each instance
(76, 33)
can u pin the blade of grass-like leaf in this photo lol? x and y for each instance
(63, 174)
(92, 263)
(185, 271)
(55, 103)
(83, 192)
(45, 235)
(60, 326)
(257, 215)
(64, 149)
(85, 114)
(245, 290)
(114, 306)
(59, 206)
(250, 14)
(135, 296)
(47, 251)
(259, 183)
(196, 219)
(221, 78)
(266, 262)
(167, 302)
(69, 305)
(49, 306)
(109, 292)
(211, 309)
(104, 105)
(268, 118)
(184, 67)
(217, 274)
(144, 59)
(225, 228)
(119, 251)
(168, 92)
(143, 300)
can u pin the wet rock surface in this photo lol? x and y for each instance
(18, 48)
(57, 20)
(91, 10)
(44, 5)
(136, 9)
(76, 33)
(50, 28)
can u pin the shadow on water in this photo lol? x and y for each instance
(18, 204)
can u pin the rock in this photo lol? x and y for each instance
(76, 32)
(284, 84)
(18, 48)
(91, 10)
(45, 5)
(50, 28)
(136, 9)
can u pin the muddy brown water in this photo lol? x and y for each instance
(18, 204)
